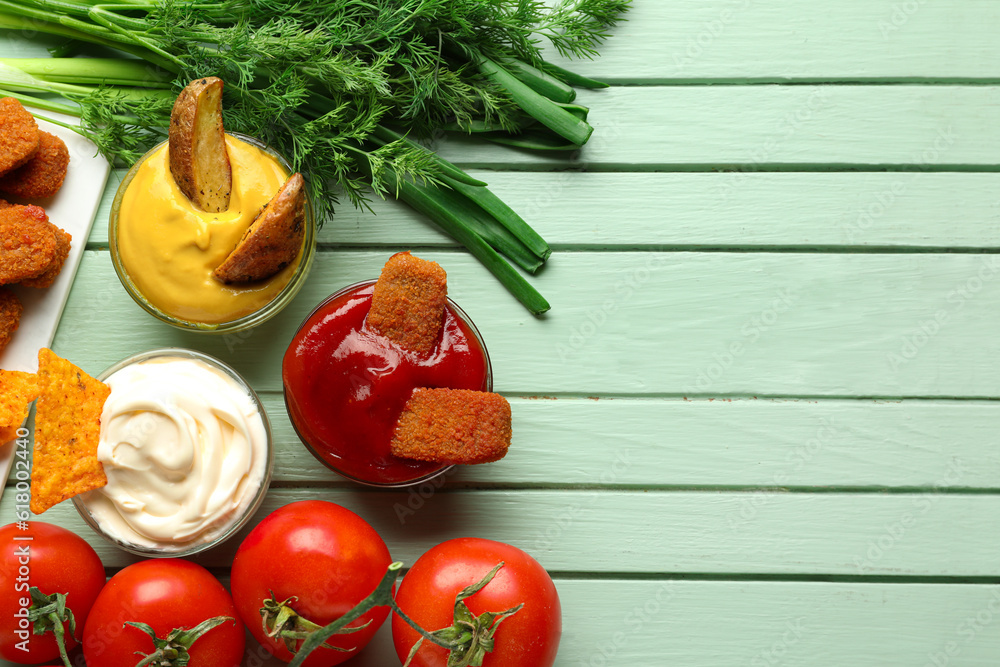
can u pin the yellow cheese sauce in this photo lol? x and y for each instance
(169, 248)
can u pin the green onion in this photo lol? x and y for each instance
(540, 82)
(480, 222)
(427, 200)
(542, 109)
(447, 168)
(505, 215)
(532, 139)
(571, 78)
(92, 71)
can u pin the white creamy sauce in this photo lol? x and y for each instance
(185, 452)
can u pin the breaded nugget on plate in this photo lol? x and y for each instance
(18, 134)
(17, 391)
(453, 426)
(10, 315)
(27, 243)
(5, 204)
(42, 175)
(408, 302)
(45, 279)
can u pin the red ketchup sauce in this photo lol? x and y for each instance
(345, 386)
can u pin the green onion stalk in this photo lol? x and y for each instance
(350, 90)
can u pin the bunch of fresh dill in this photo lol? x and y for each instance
(342, 88)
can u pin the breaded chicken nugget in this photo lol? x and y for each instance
(10, 315)
(409, 301)
(18, 134)
(27, 243)
(5, 204)
(51, 272)
(453, 426)
(42, 175)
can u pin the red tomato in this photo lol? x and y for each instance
(323, 554)
(529, 638)
(165, 594)
(54, 560)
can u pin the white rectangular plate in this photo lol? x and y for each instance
(73, 208)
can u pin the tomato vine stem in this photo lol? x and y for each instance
(281, 621)
(467, 641)
(47, 614)
(173, 649)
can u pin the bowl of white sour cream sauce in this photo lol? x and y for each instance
(187, 449)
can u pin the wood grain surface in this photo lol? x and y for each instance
(653, 323)
(759, 426)
(920, 210)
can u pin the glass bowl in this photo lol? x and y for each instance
(426, 472)
(241, 323)
(87, 504)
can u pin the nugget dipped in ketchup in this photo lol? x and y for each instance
(389, 383)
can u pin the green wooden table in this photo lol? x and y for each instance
(760, 424)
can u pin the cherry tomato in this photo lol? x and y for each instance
(321, 558)
(54, 560)
(165, 594)
(528, 638)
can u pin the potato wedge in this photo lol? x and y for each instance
(273, 240)
(199, 161)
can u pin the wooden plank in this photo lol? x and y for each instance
(769, 127)
(757, 624)
(775, 40)
(697, 210)
(760, 624)
(764, 532)
(743, 444)
(762, 128)
(702, 443)
(785, 40)
(712, 324)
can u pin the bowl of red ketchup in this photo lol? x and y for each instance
(345, 385)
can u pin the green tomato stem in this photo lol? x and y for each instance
(467, 641)
(380, 597)
(172, 651)
(47, 613)
(281, 621)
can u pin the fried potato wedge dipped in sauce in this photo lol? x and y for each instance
(273, 240)
(199, 161)
(209, 228)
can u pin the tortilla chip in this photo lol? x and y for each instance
(17, 391)
(67, 430)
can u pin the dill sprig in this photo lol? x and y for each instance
(326, 82)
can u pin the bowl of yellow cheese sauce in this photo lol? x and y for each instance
(164, 248)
